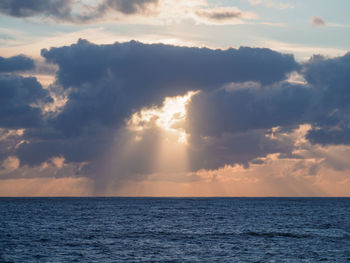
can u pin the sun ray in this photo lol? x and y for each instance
(168, 117)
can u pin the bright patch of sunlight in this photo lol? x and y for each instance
(169, 117)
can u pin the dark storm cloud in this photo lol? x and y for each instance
(322, 102)
(132, 6)
(247, 108)
(17, 96)
(158, 64)
(8, 142)
(231, 125)
(62, 10)
(243, 96)
(325, 136)
(107, 83)
(47, 143)
(28, 8)
(212, 152)
(16, 63)
(331, 78)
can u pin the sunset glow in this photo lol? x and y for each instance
(174, 98)
(174, 130)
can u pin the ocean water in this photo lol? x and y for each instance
(174, 229)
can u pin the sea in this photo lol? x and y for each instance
(174, 229)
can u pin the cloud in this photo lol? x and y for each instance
(66, 10)
(140, 11)
(317, 21)
(213, 152)
(117, 72)
(239, 108)
(18, 97)
(18, 111)
(330, 76)
(10, 164)
(234, 124)
(246, 109)
(224, 15)
(106, 84)
(332, 135)
(322, 101)
(132, 6)
(59, 10)
(28, 8)
(95, 61)
(16, 63)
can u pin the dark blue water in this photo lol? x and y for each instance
(174, 229)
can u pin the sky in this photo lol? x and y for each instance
(174, 98)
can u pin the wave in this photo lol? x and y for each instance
(276, 234)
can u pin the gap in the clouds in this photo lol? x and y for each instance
(170, 117)
(153, 141)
